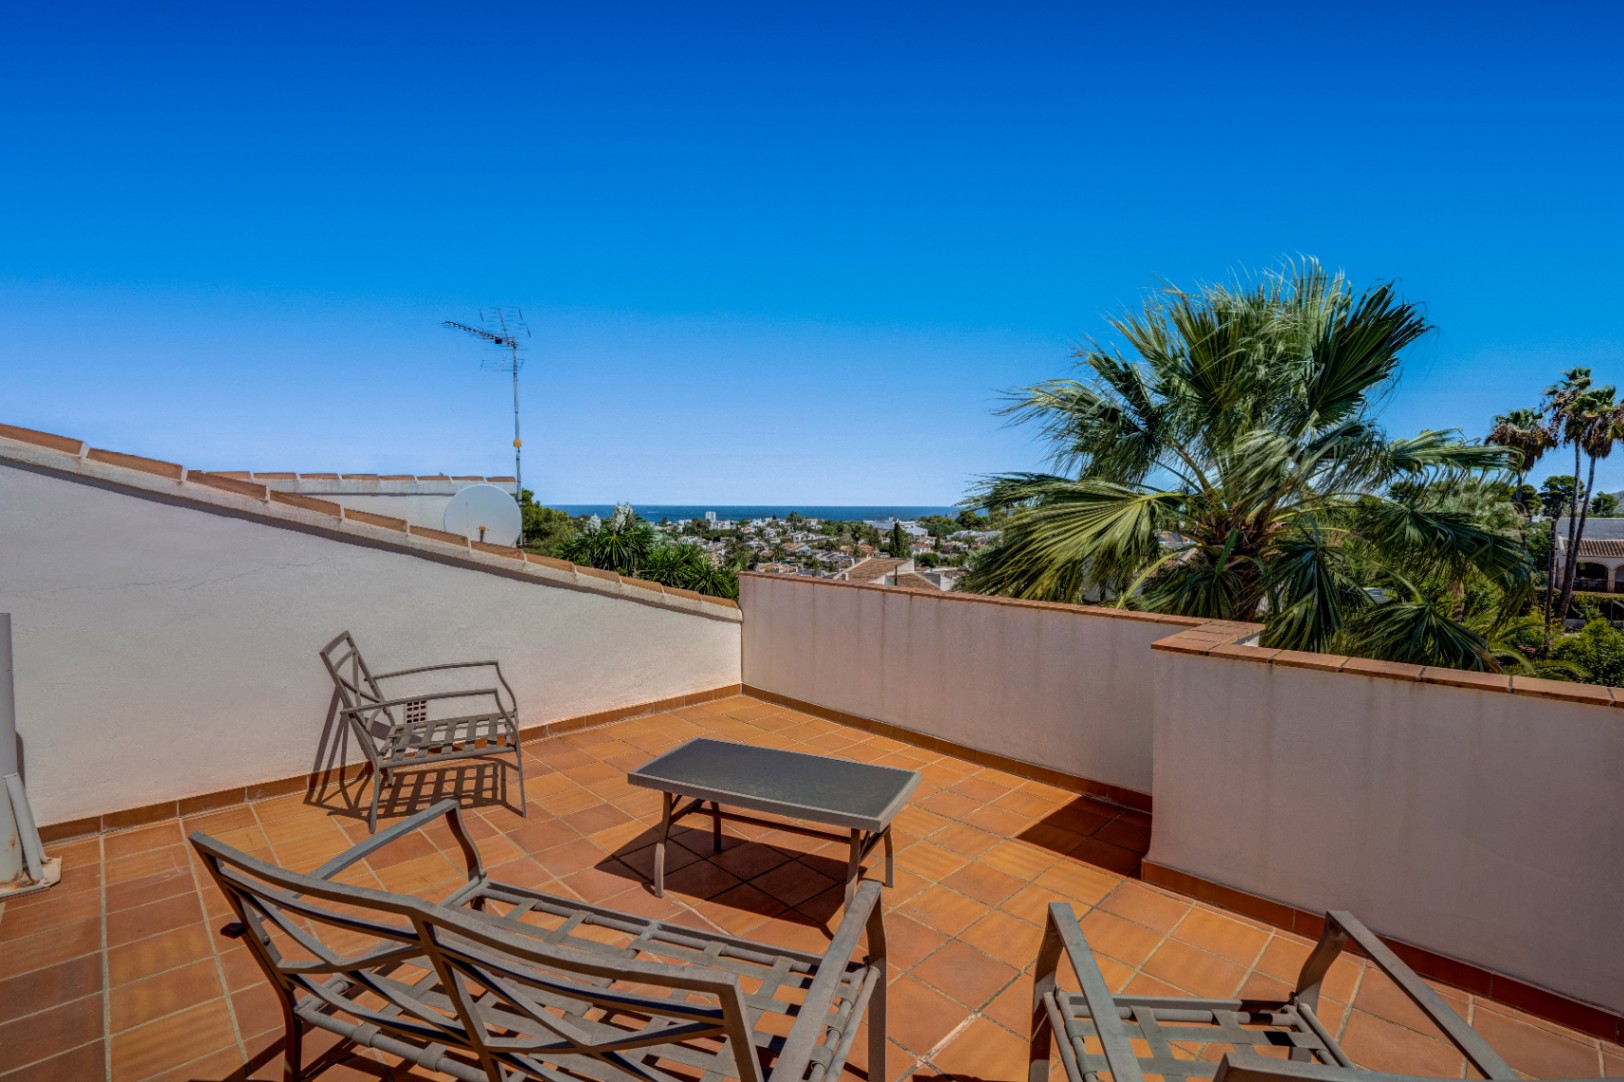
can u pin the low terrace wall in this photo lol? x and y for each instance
(1055, 686)
(1477, 817)
(1481, 821)
(166, 646)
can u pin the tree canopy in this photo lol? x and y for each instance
(1224, 461)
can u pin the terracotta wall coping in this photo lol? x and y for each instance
(1224, 639)
(984, 599)
(246, 493)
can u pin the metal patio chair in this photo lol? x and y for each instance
(1098, 1032)
(408, 731)
(497, 983)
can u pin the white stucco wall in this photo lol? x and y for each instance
(163, 650)
(1058, 686)
(1483, 825)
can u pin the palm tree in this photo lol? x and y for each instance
(1232, 469)
(1598, 438)
(1524, 431)
(1587, 417)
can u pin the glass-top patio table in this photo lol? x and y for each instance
(858, 797)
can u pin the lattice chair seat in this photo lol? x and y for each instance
(1130, 1037)
(498, 982)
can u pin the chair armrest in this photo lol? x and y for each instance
(513, 703)
(426, 697)
(1062, 935)
(864, 912)
(1341, 926)
(445, 808)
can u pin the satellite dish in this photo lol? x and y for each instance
(484, 513)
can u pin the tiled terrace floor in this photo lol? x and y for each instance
(118, 972)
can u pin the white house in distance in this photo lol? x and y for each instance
(1600, 556)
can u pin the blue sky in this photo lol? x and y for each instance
(769, 252)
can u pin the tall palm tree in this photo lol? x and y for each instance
(1585, 416)
(1599, 436)
(1232, 469)
(1525, 432)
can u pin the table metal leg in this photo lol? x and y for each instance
(854, 866)
(668, 801)
(890, 859)
(716, 827)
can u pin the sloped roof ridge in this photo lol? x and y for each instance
(66, 455)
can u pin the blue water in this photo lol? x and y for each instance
(654, 512)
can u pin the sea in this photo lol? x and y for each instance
(654, 512)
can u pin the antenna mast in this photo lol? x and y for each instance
(502, 328)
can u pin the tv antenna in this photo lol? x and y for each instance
(503, 328)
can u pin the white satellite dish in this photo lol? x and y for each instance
(484, 513)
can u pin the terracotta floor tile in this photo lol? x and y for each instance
(949, 804)
(1532, 1049)
(1239, 941)
(752, 859)
(984, 1050)
(964, 839)
(792, 883)
(1006, 938)
(1077, 882)
(152, 888)
(142, 921)
(908, 942)
(1379, 1045)
(71, 909)
(86, 1062)
(1012, 1008)
(1143, 984)
(1194, 970)
(606, 880)
(948, 911)
(1051, 837)
(985, 884)
(122, 843)
(931, 861)
(1125, 834)
(199, 1030)
(965, 973)
(920, 1016)
(1083, 817)
(142, 1001)
(48, 1033)
(1283, 960)
(1024, 862)
(1262, 986)
(1380, 996)
(1145, 905)
(1104, 855)
(702, 879)
(1000, 820)
(1118, 938)
(52, 986)
(24, 954)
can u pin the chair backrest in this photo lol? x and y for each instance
(427, 973)
(354, 683)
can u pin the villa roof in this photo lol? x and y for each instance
(1602, 546)
(872, 569)
(259, 500)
